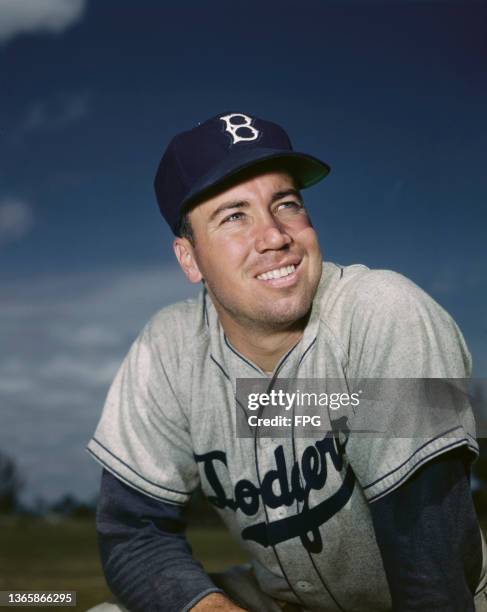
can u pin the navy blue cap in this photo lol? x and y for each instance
(217, 150)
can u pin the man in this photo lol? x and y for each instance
(343, 521)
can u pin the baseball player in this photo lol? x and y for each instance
(340, 521)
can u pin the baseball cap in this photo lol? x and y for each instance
(199, 160)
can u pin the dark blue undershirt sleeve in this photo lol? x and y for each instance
(429, 538)
(145, 556)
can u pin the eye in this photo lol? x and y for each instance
(289, 206)
(236, 216)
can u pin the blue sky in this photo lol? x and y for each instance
(391, 94)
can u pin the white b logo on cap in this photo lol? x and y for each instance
(247, 130)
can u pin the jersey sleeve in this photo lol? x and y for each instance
(143, 436)
(401, 339)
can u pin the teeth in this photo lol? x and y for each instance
(277, 273)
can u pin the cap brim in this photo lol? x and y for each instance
(306, 169)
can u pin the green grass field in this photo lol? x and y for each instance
(39, 555)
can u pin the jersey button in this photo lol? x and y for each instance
(303, 585)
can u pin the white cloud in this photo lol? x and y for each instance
(78, 369)
(12, 384)
(28, 16)
(16, 219)
(89, 335)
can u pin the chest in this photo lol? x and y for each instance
(255, 472)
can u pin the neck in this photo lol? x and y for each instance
(263, 346)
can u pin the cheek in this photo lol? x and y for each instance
(227, 255)
(307, 238)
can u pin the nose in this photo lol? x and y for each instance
(271, 236)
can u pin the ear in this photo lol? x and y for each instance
(185, 255)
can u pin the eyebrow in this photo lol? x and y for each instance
(277, 195)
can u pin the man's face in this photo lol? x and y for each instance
(256, 250)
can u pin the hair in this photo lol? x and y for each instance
(185, 229)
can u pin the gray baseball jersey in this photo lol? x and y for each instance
(299, 506)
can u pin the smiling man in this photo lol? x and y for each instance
(264, 286)
(336, 522)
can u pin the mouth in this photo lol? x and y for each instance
(282, 276)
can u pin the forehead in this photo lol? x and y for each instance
(257, 187)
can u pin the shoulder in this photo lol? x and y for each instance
(390, 297)
(361, 291)
(161, 358)
(180, 319)
(387, 287)
(175, 330)
(371, 312)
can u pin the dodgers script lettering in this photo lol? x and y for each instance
(294, 486)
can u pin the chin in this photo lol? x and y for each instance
(284, 316)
